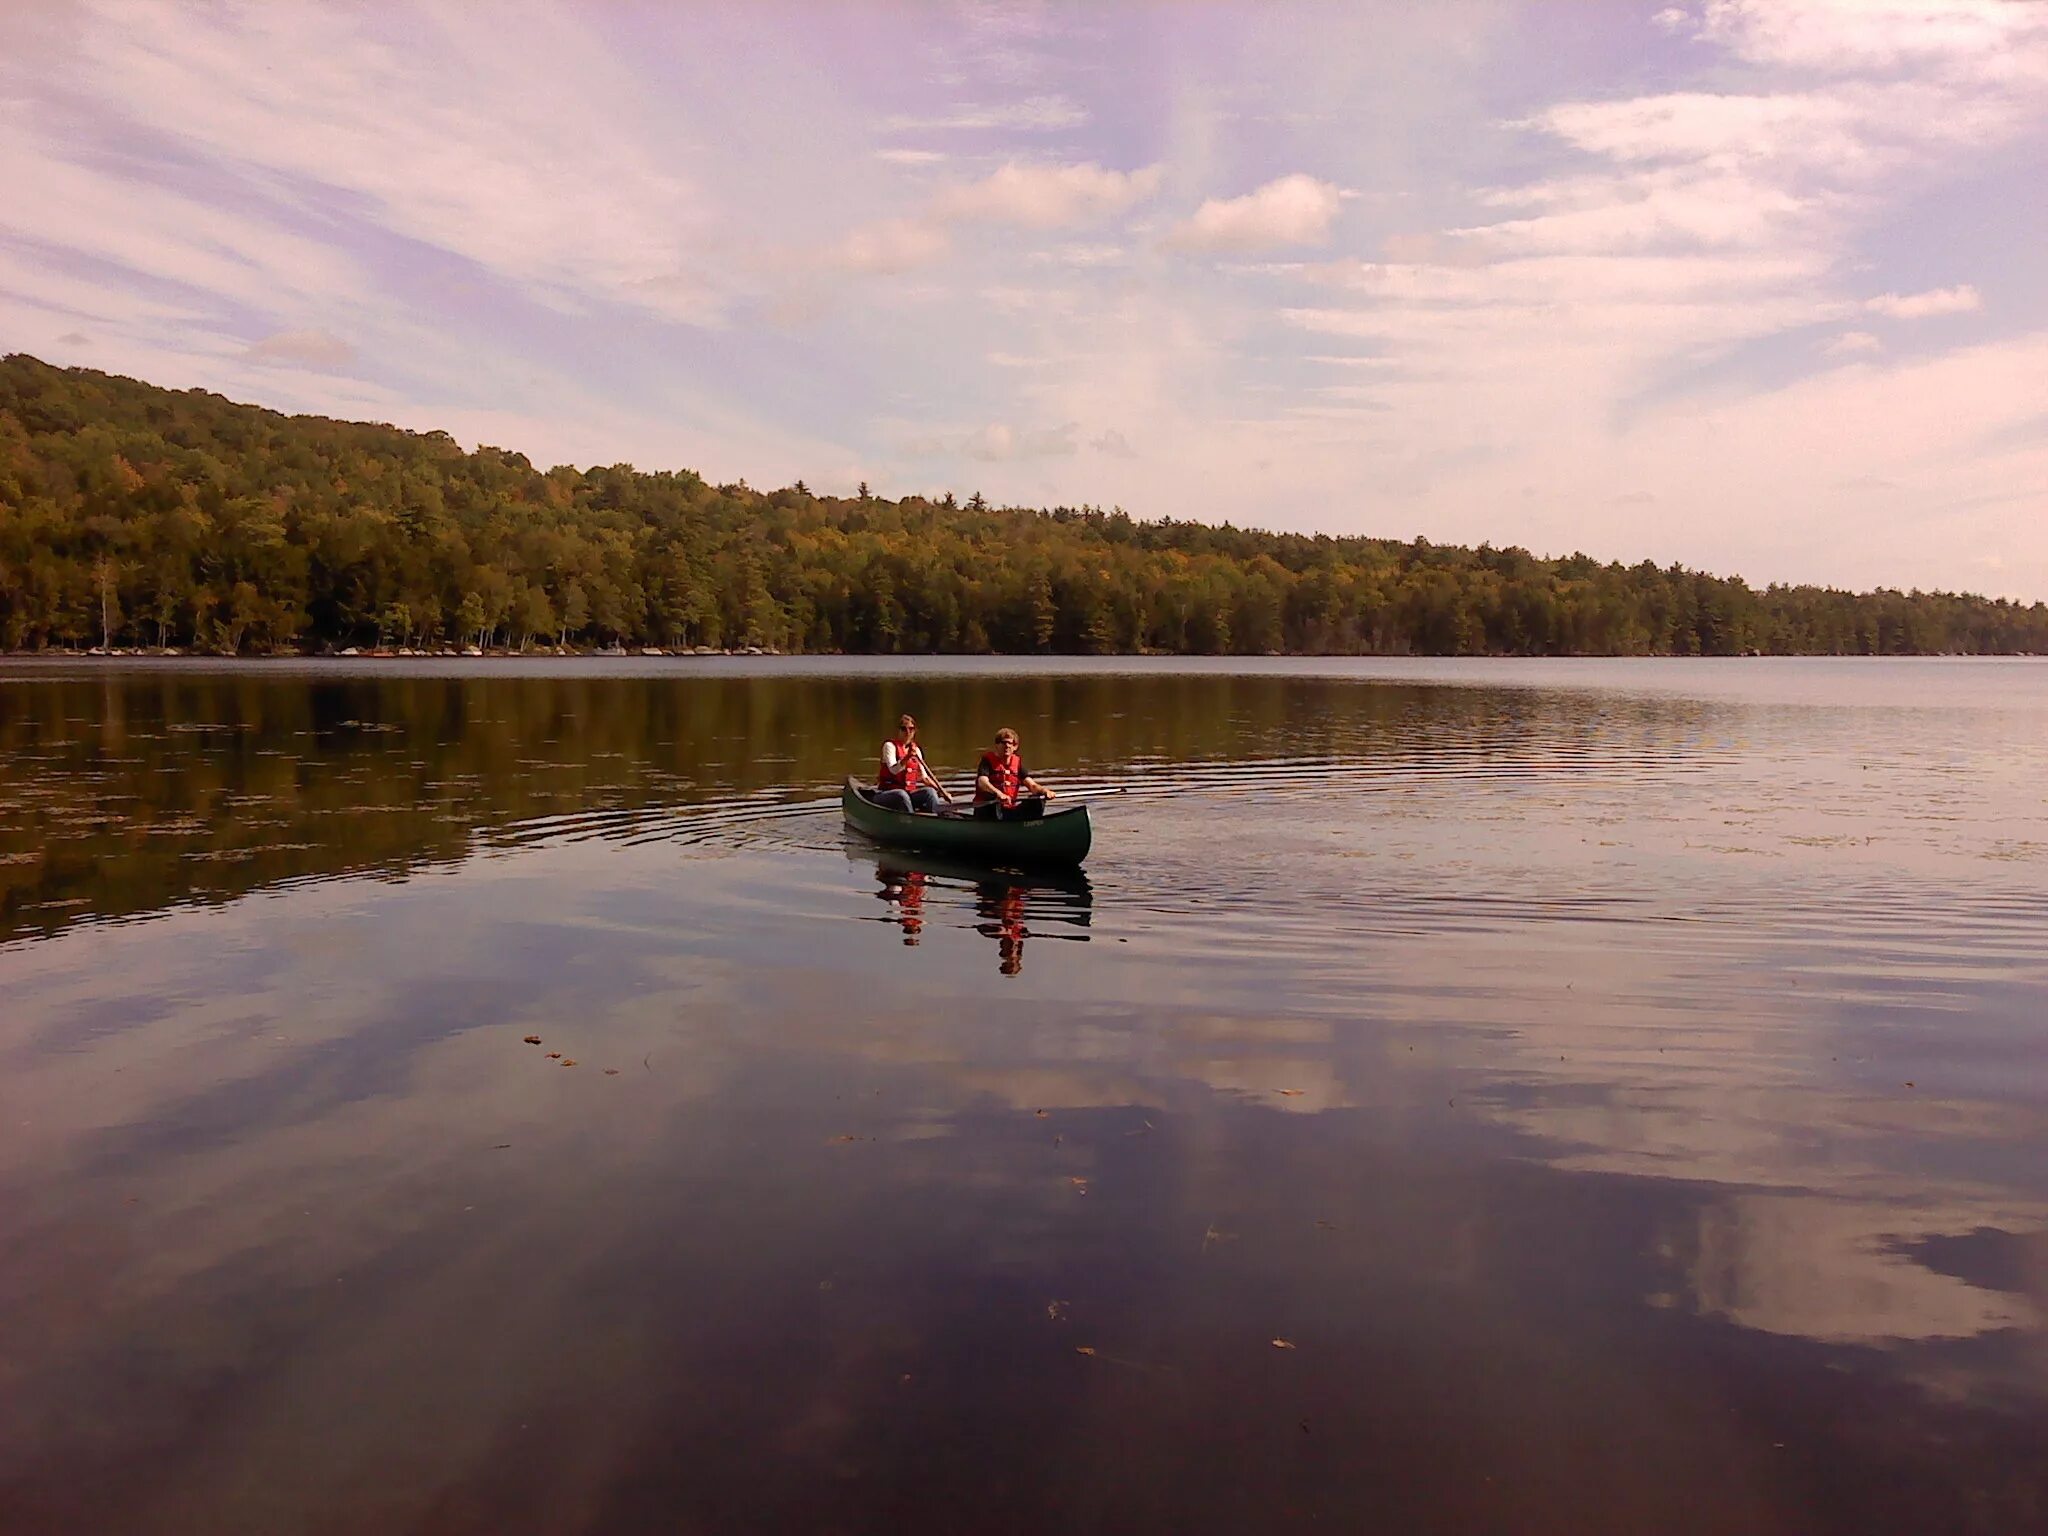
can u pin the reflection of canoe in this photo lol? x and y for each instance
(1050, 894)
(1058, 838)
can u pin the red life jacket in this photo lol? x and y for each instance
(1006, 773)
(908, 775)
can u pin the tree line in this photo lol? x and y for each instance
(137, 516)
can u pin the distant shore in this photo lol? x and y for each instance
(591, 653)
(385, 653)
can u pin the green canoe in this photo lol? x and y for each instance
(1058, 839)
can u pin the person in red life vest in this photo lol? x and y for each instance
(1001, 780)
(906, 782)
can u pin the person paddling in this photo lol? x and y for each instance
(1001, 780)
(906, 783)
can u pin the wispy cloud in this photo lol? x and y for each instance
(449, 135)
(999, 441)
(1034, 114)
(303, 349)
(1960, 300)
(1037, 197)
(890, 245)
(996, 442)
(1975, 37)
(1047, 196)
(1361, 270)
(1291, 211)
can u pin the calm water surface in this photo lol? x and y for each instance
(1458, 1097)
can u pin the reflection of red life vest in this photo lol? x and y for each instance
(908, 774)
(1006, 773)
(911, 904)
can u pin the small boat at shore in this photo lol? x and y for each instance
(1056, 839)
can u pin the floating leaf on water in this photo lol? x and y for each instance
(554, 1055)
(1055, 1311)
(1282, 1344)
(533, 1039)
(1084, 1349)
(1041, 1113)
(1288, 1093)
(836, 1140)
(611, 1071)
(1080, 1184)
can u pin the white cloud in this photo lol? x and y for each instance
(158, 233)
(1960, 300)
(316, 349)
(1853, 36)
(1674, 209)
(1696, 223)
(1047, 196)
(1082, 255)
(1559, 307)
(1547, 279)
(999, 441)
(1694, 125)
(1016, 195)
(476, 159)
(1034, 114)
(1294, 210)
(890, 246)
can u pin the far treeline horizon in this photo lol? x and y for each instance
(132, 515)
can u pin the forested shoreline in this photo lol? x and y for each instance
(138, 517)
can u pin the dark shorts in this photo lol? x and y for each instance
(1030, 808)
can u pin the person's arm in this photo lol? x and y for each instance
(888, 755)
(984, 785)
(931, 778)
(1031, 784)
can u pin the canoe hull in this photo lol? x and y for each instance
(1057, 840)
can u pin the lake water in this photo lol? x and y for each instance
(1570, 1096)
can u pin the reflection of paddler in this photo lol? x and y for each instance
(906, 891)
(1003, 903)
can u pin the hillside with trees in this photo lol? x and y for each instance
(137, 516)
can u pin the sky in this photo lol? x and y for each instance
(1756, 285)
